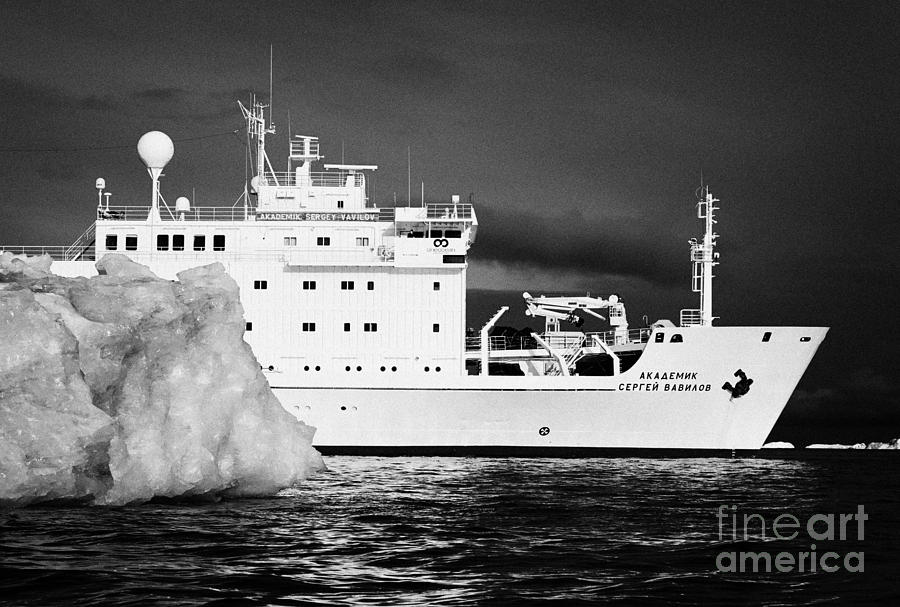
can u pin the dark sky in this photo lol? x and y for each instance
(581, 129)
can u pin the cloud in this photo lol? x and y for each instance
(162, 94)
(35, 98)
(414, 68)
(860, 407)
(579, 247)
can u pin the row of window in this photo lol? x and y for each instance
(368, 327)
(394, 369)
(346, 285)
(167, 242)
(325, 241)
(359, 368)
(436, 234)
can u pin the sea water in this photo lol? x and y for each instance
(466, 531)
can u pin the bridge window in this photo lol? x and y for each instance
(437, 286)
(162, 242)
(347, 285)
(323, 241)
(290, 241)
(178, 242)
(436, 328)
(452, 234)
(660, 337)
(309, 285)
(308, 326)
(260, 284)
(346, 326)
(199, 242)
(131, 242)
(676, 338)
(218, 242)
(370, 327)
(111, 242)
(362, 241)
(370, 285)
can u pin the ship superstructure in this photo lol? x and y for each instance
(357, 314)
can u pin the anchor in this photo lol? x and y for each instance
(741, 387)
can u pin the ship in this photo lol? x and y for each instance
(357, 315)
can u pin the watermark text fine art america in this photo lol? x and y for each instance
(745, 527)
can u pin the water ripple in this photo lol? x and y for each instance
(461, 531)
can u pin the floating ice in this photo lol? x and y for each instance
(894, 444)
(122, 387)
(778, 445)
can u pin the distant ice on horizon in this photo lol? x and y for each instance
(122, 387)
(894, 444)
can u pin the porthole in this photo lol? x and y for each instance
(318, 368)
(306, 368)
(343, 408)
(359, 368)
(382, 368)
(271, 368)
(437, 369)
(393, 368)
(805, 338)
(427, 369)
(347, 368)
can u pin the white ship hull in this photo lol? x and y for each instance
(498, 414)
(671, 398)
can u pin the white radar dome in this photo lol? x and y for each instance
(182, 205)
(613, 299)
(155, 149)
(254, 185)
(100, 183)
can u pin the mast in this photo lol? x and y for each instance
(703, 255)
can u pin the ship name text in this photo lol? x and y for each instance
(291, 216)
(655, 381)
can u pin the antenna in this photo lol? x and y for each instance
(271, 105)
(342, 151)
(408, 179)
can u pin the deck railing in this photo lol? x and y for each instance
(690, 318)
(331, 179)
(635, 336)
(502, 342)
(448, 210)
(135, 213)
(56, 253)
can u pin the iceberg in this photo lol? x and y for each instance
(778, 445)
(123, 387)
